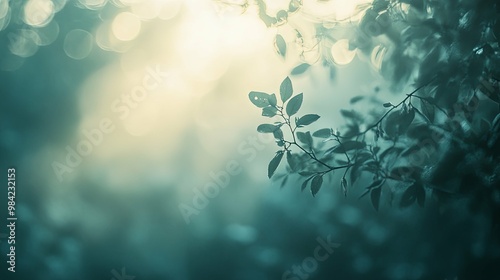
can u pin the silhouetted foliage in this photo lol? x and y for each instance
(441, 141)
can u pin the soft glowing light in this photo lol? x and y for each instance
(23, 43)
(93, 4)
(126, 26)
(78, 43)
(340, 52)
(38, 12)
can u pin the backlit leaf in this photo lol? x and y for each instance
(259, 99)
(267, 128)
(307, 119)
(300, 69)
(323, 133)
(280, 45)
(293, 106)
(286, 89)
(273, 164)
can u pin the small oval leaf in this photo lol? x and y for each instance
(280, 45)
(316, 183)
(259, 99)
(286, 89)
(267, 128)
(307, 119)
(300, 69)
(273, 164)
(323, 133)
(294, 105)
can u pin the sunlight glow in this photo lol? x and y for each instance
(126, 26)
(341, 54)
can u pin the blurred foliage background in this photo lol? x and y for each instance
(68, 65)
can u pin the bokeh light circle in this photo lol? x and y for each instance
(38, 13)
(78, 44)
(341, 53)
(126, 26)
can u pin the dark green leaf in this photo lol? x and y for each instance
(278, 134)
(391, 124)
(375, 197)
(304, 184)
(286, 89)
(292, 162)
(316, 183)
(374, 184)
(267, 128)
(356, 99)
(388, 104)
(300, 69)
(283, 182)
(294, 104)
(259, 99)
(269, 112)
(323, 133)
(305, 137)
(428, 110)
(307, 119)
(273, 164)
(351, 114)
(343, 184)
(406, 119)
(280, 45)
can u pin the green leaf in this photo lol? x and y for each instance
(267, 128)
(269, 112)
(348, 146)
(273, 164)
(278, 134)
(316, 183)
(428, 110)
(388, 104)
(375, 197)
(374, 184)
(356, 99)
(307, 119)
(272, 100)
(304, 184)
(300, 69)
(294, 105)
(290, 158)
(351, 114)
(305, 137)
(280, 45)
(283, 182)
(259, 99)
(398, 122)
(323, 133)
(343, 184)
(286, 89)
(406, 119)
